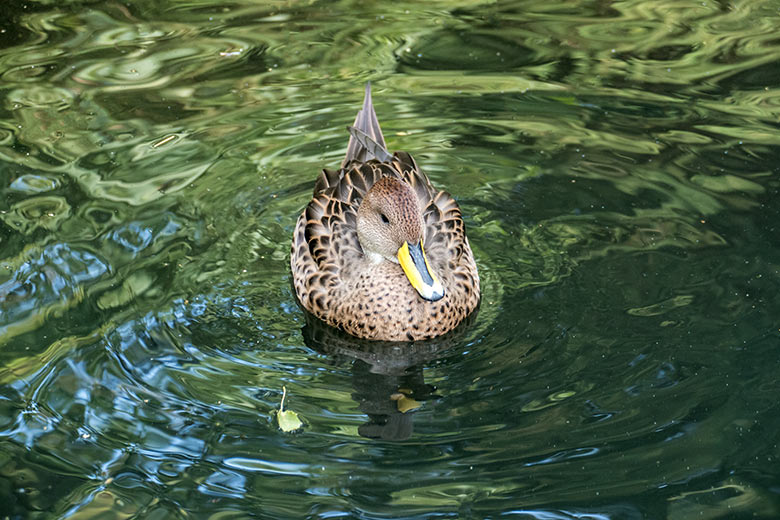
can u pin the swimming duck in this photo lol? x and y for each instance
(379, 252)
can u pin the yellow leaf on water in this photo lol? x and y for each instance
(287, 419)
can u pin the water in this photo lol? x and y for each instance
(617, 164)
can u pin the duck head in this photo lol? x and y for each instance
(390, 227)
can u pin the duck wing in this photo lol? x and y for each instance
(326, 245)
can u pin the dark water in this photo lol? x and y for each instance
(617, 163)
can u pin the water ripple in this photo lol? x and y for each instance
(616, 166)
(42, 283)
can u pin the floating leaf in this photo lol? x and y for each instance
(287, 419)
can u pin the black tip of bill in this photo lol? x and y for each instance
(415, 266)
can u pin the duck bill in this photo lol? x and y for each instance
(417, 270)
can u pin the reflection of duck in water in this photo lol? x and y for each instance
(389, 400)
(387, 377)
(357, 259)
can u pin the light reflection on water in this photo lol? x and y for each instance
(616, 164)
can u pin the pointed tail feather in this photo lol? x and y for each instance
(366, 123)
(371, 147)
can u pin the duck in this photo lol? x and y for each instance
(379, 252)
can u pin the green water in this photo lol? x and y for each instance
(617, 164)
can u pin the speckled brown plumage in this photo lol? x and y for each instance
(343, 285)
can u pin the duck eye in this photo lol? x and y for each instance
(384, 218)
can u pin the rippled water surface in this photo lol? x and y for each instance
(617, 163)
